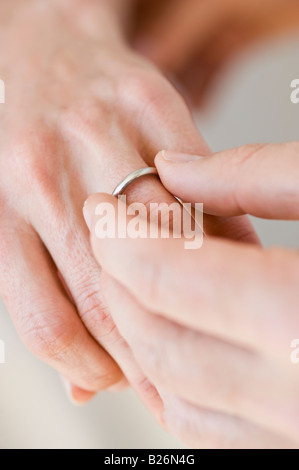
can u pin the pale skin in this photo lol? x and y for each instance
(82, 111)
(220, 320)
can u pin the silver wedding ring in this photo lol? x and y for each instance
(135, 175)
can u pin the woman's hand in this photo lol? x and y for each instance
(82, 111)
(195, 39)
(219, 321)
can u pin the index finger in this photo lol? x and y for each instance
(261, 180)
(225, 289)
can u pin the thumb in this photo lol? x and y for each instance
(261, 180)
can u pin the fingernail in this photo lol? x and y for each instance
(87, 215)
(179, 157)
(69, 392)
(77, 396)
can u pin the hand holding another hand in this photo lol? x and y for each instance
(82, 111)
(212, 328)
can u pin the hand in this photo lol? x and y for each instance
(196, 39)
(82, 111)
(219, 321)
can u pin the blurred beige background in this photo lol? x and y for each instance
(252, 104)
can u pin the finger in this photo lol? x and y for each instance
(76, 395)
(167, 123)
(173, 37)
(57, 217)
(201, 428)
(87, 293)
(233, 271)
(44, 317)
(261, 180)
(203, 370)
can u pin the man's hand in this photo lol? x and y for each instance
(220, 321)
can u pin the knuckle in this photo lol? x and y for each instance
(32, 159)
(195, 426)
(47, 339)
(150, 98)
(13, 230)
(140, 87)
(238, 159)
(150, 350)
(95, 314)
(145, 386)
(197, 433)
(247, 152)
(147, 389)
(102, 379)
(151, 284)
(145, 92)
(88, 120)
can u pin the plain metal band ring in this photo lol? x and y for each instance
(135, 175)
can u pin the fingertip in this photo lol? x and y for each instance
(80, 397)
(76, 395)
(175, 169)
(169, 156)
(160, 158)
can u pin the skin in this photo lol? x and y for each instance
(222, 363)
(195, 40)
(82, 111)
